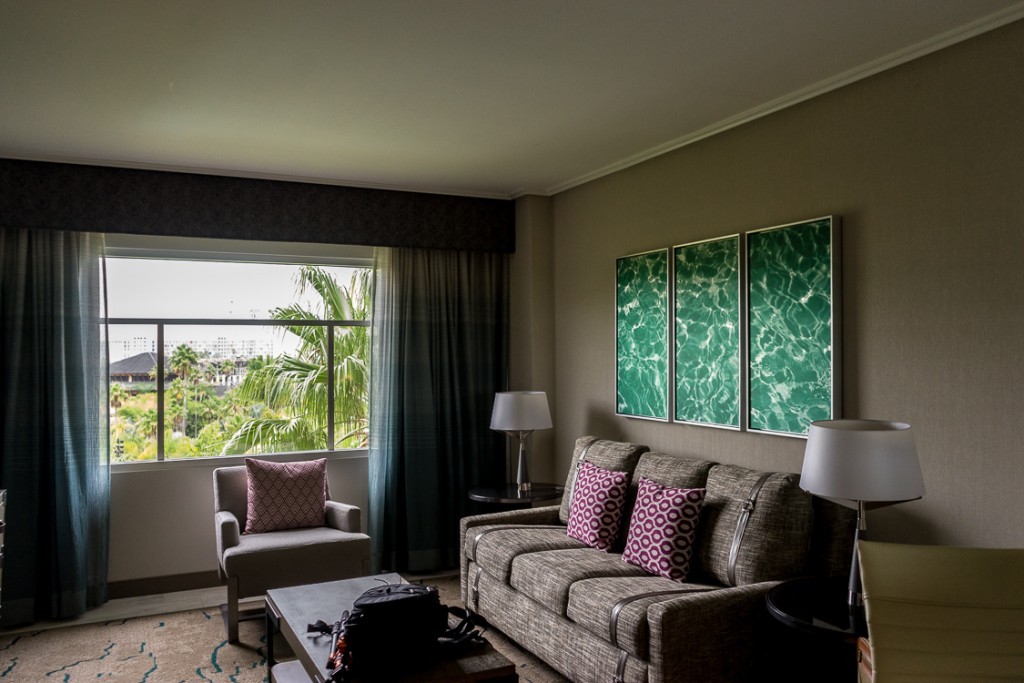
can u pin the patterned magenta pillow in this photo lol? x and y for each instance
(662, 529)
(597, 505)
(285, 495)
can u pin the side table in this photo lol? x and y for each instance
(510, 495)
(817, 608)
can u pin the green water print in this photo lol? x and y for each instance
(790, 319)
(707, 326)
(641, 320)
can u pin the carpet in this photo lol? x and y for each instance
(184, 646)
(167, 648)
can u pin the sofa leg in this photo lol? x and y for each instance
(232, 615)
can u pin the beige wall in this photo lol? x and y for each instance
(925, 165)
(161, 517)
(531, 326)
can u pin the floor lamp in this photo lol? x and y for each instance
(862, 464)
(519, 413)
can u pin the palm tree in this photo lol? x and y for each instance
(228, 368)
(182, 360)
(118, 395)
(294, 387)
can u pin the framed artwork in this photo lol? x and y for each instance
(793, 323)
(641, 335)
(707, 318)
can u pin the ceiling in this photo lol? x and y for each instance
(494, 98)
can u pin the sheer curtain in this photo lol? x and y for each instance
(440, 353)
(54, 459)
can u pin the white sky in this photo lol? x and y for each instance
(150, 288)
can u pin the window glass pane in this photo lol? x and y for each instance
(133, 416)
(234, 389)
(237, 387)
(154, 288)
(351, 387)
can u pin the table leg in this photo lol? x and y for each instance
(273, 628)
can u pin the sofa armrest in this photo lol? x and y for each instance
(709, 636)
(227, 528)
(544, 515)
(343, 517)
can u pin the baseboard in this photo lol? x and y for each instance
(163, 584)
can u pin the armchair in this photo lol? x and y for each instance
(253, 563)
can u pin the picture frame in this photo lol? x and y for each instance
(793, 322)
(642, 335)
(708, 332)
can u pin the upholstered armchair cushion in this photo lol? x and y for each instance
(285, 558)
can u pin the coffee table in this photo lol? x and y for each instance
(289, 610)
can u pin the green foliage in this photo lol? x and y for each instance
(294, 387)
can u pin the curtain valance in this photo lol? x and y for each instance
(35, 194)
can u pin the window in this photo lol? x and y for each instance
(214, 357)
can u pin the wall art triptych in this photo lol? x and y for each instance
(738, 332)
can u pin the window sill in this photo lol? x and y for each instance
(212, 462)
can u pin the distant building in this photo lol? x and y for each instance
(138, 369)
(134, 369)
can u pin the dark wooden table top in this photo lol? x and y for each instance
(301, 605)
(510, 494)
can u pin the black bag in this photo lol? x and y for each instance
(406, 618)
(393, 628)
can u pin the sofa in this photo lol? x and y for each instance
(594, 617)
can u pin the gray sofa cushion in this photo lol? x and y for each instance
(617, 456)
(547, 576)
(778, 533)
(672, 470)
(495, 546)
(591, 602)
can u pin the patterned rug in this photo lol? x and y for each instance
(167, 648)
(183, 646)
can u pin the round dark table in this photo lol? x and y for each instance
(817, 605)
(509, 494)
(825, 644)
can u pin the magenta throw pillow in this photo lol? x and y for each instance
(285, 495)
(662, 529)
(598, 502)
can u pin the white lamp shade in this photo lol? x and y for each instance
(520, 411)
(862, 460)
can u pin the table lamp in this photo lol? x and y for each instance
(519, 413)
(861, 464)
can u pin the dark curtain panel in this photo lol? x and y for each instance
(440, 353)
(53, 426)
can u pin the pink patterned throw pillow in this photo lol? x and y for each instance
(662, 529)
(285, 495)
(597, 505)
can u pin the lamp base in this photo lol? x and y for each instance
(522, 475)
(855, 597)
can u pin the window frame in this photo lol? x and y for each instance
(219, 250)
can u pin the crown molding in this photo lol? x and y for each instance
(892, 60)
